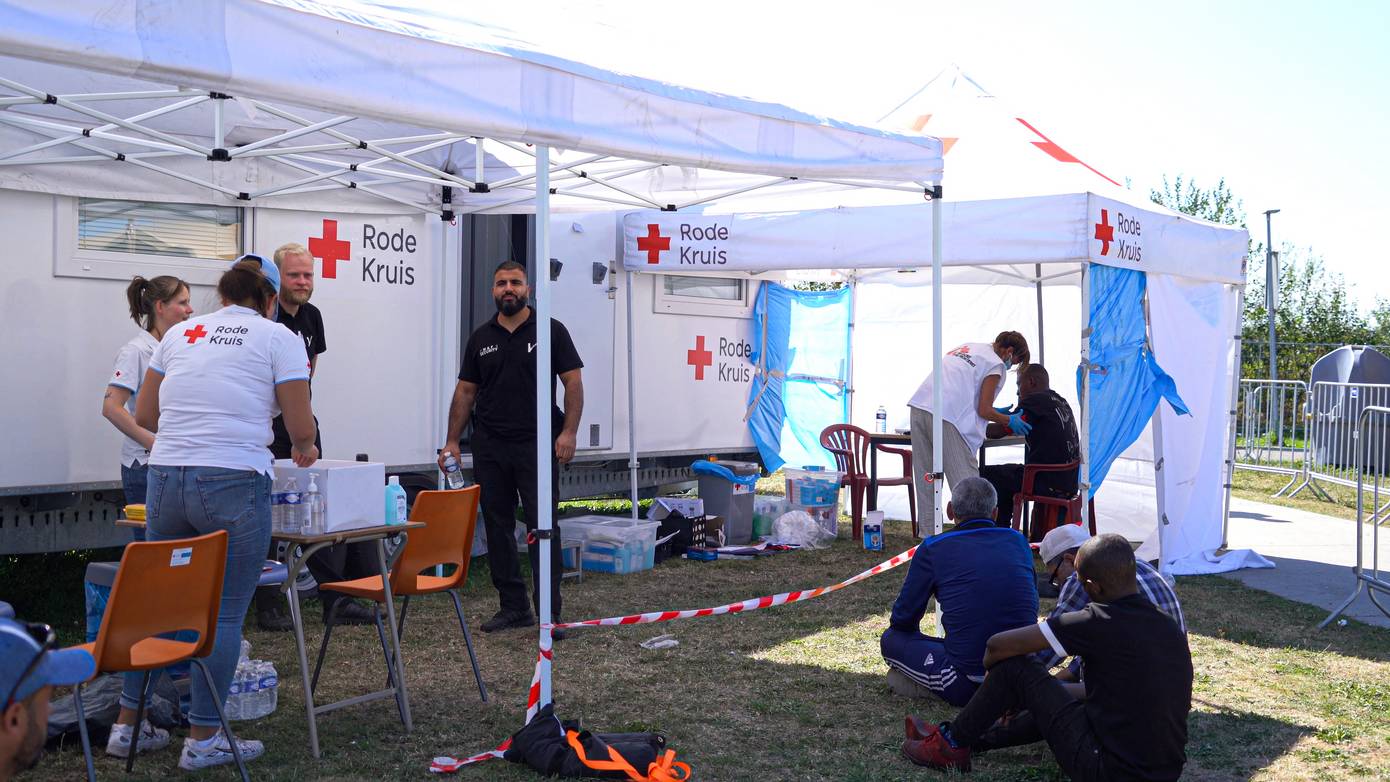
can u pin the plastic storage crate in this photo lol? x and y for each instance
(614, 545)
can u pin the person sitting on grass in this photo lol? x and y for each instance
(1132, 723)
(31, 665)
(1058, 553)
(982, 574)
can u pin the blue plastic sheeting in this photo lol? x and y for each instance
(706, 467)
(1126, 381)
(801, 350)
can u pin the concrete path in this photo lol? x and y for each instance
(1313, 555)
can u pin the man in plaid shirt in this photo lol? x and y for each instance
(1058, 553)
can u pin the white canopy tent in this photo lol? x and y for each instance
(295, 104)
(1016, 250)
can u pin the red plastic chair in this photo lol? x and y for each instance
(850, 446)
(1041, 521)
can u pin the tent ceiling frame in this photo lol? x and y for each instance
(321, 173)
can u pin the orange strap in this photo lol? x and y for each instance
(664, 769)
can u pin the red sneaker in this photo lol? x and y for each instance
(935, 752)
(918, 728)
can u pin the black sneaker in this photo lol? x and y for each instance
(559, 634)
(504, 620)
(351, 612)
(274, 619)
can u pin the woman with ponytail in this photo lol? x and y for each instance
(971, 376)
(156, 306)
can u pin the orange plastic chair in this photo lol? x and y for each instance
(1040, 521)
(445, 540)
(850, 446)
(161, 587)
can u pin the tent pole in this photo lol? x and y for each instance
(937, 475)
(631, 401)
(1085, 472)
(545, 387)
(849, 349)
(1042, 343)
(1233, 405)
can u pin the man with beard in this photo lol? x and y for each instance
(336, 563)
(497, 390)
(30, 667)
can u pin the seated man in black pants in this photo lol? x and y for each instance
(1052, 440)
(1132, 723)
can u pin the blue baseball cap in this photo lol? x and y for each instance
(27, 665)
(268, 268)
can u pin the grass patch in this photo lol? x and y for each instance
(796, 692)
(1261, 486)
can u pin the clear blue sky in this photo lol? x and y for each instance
(1290, 102)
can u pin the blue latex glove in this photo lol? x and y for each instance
(1018, 425)
(1004, 410)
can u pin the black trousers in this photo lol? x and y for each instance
(506, 471)
(343, 562)
(1007, 480)
(1047, 712)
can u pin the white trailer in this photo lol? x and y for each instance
(399, 294)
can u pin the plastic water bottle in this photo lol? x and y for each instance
(395, 501)
(453, 473)
(881, 420)
(292, 517)
(314, 509)
(277, 506)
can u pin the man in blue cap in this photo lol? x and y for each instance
(30, 667)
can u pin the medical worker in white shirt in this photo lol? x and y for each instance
(156, 305)
(212, 388)
(971, 376)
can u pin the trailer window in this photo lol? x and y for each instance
(704, 295)
(148, 228)
(112, 239)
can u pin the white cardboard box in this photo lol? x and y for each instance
(354, 493)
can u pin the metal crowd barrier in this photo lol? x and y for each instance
(1334, 421)
(1370, 452)
(1272, 428)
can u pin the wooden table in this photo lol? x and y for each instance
(901, 438)
(297, 555)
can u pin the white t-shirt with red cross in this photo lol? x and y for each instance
(963, 370)
(129, 373)
(218, 394)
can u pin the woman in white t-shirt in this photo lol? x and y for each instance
(212, 388)
(156, 305)
(971, 376)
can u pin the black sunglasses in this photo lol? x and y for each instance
(47, 640)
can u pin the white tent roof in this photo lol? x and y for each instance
(398, 92)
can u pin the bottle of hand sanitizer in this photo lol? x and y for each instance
(395, 501)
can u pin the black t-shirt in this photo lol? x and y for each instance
(308, 324)
(1053, 440)
(503, 365)
(1138, 683)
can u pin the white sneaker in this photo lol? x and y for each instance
(219, 754)
(151, 739)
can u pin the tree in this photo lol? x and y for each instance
(1217, 205)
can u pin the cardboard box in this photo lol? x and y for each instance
(354, 493)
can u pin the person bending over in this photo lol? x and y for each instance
(1132, 724)
(1052, 439)
(982, 575)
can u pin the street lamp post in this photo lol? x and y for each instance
(1271, 291)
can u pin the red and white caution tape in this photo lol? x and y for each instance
(544, 657)
(746, 605)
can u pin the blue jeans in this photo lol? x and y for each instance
(134, 480)
(184, 502)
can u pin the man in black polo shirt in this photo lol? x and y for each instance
(1052, 440)
(336, 563)
(1132, 723)
(497, 389)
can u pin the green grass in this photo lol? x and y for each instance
(795, 692)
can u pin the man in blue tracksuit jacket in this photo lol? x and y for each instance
(983, 577)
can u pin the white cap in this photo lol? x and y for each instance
(394, 480)
(1061, 540)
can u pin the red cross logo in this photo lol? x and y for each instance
(653, 243)
(1105, 232)
(330, 248)
(194, 334)
(699, 357)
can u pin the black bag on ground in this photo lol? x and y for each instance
(543, 746)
